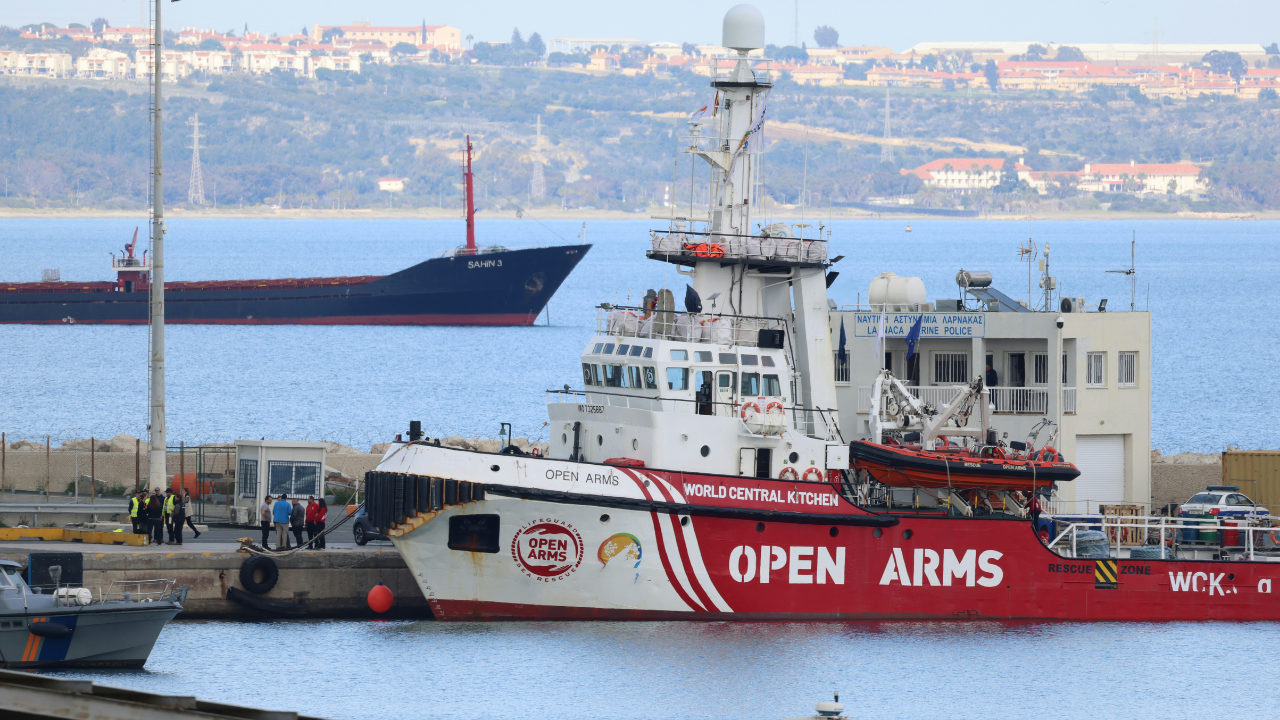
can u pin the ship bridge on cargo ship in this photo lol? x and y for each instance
(133, 273)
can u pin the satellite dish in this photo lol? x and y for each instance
(743, 29)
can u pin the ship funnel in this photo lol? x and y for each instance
(743, 29)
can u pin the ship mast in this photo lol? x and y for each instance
(157, 471)
(471, 204)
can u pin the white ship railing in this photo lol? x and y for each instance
(710, 246)
(1252, 535)
(816, 423)
(463, 250)
(718, 329)
(1007, 400)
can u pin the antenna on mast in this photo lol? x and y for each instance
(1027, 252)
(1131, 272)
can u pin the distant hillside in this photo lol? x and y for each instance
(607, 140)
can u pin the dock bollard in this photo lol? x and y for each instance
(380, 598)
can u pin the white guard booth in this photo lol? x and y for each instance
(271, 467)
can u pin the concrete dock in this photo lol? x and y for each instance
(332, 583)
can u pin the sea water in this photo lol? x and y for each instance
(374, 670)
(1210, 286)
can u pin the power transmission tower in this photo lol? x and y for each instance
(195, 191)
(538, 186)
(885, 153)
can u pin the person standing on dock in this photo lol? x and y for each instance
(177, 518)
(322, 514)
(170, 499)
(155, 517)
(135, 504)
(264, 513)
(186, 501)
(311, 519)
(297, 517)
(280, 512)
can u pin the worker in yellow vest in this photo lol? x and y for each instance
(168, 513)
(134, 503)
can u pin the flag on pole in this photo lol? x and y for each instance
(913, 337)
(880, 339)
(751, 140)
(841, 356)
(708, 109)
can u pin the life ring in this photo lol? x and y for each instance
(249, 571)
(788, 473)
(748, 405)
(817, 475)
(1047, 454)
(1275, 536)
(535, 452)
(769, 406)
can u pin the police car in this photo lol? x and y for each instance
(1223, 500)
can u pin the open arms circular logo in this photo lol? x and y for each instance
(547, 550)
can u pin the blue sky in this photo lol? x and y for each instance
(860, 22)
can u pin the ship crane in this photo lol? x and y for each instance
(896, 411)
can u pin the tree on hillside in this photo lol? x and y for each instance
(790, 53)
(993, 75)
(1035, 52)
(1272, 49)
(826, 36)
(330, 34)
(690, 50)
(1267, 95)
(210, 44)
(1066, 53)
(929, 62)
(517, 40)
(404, 48)
(536, 45)
(1225, 63)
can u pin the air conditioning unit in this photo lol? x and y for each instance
(1072, 305)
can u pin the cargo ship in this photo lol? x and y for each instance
(467, 285)
(701, 473)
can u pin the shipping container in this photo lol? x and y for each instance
(1256, 473)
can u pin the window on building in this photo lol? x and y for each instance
(1040, 373)
(1095, 369)
(680, 355)
(1127, 372)
(772, 388)
(294, 478)
(950, 368)
(751, 384)
(750, 360)
(677, 378)
(766, 361)
(1064, 371)
(613, 375)
(636, 350)
(247, 476)
(841, 367)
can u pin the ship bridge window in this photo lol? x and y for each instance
(590, 374)
(750, 360)
(636, 350)
(650, 377)
(608, 349)
(633, 378)
(751, 383)
(679, 355)
(702, 356)
(728, 359)
(648, 352)
(598, 348)
(772, 387)
(622, 349)
(677, 377)
(613, 375)
(766, 361)
(726, 380)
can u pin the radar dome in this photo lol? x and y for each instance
(743, 28)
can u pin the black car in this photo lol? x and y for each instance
(363, 529)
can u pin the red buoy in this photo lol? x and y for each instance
(380, 598)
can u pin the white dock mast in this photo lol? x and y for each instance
(157, 468)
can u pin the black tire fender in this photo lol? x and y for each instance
(250, 569)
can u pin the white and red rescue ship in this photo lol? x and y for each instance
(700, 472)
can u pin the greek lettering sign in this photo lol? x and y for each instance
(936, 325)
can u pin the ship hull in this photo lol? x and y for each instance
(691, 551)
(509, 287)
